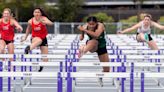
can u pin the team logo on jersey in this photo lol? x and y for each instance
(37, 28)
(5, 27)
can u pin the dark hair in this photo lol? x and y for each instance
(92, 18)
(42, 12)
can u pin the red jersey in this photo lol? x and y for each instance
(39, 30)
(7, 31)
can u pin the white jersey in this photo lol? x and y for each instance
(144, 30)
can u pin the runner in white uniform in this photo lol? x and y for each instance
(144, 31)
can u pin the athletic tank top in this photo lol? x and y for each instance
(39, 30)
(144, 30)
(7, 31)
(101, 39)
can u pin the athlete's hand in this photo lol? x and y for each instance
(81, 37)
(20, 29)
(120, 32)
(81, 28)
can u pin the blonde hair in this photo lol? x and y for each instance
(7, 9)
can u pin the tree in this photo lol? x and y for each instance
(138, 4)
(126, 23)
(102, 17)
(68, 9)
(22, 7)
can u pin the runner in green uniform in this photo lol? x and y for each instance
(96, 43)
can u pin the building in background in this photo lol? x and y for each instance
(121, 9)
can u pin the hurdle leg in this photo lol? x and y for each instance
(14, 90)
(1, 79)
(117, 84)
(74, 79)
(30, 81)
(142, 82)
(22, 69)
(122, 79)
(60, 83)
(1, 84)
(69, 82)
(113, 81)
(131, 82)
(122, 85)
(73, 85)
(159, 72)
(9, 78)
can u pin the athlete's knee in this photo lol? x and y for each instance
(2, 49)
(45, 59)
(106, 69)
(93, 49)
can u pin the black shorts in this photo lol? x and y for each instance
(149, 36)
(44, 42)
(7, 42)
(101, 51)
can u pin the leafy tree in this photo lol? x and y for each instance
(129, 22)
(102, 17)
(138, 4)
(68, 9)
(22, 9)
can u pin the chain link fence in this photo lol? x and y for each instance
(71, 28)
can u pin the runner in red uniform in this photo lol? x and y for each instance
(37, 25)
(7, 26)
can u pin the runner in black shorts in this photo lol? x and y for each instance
(96, 43)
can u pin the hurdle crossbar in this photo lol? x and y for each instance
(29, 74)
(117, 64)
(35, 63)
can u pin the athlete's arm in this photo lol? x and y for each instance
(46, 21)
(16, 24)
(98, 32)
(28, 30)
(131, 28)
(82, 27)
(157, 25)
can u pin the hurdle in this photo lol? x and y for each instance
(1, 78)
(20, 56)
(148, 75)
(130, 57)
(157, 54)
(42, 56)
(91, 58)
(114, 75)
(132, 44)
(58, 75)
(60, 64)
(23, 47)
(125, 52)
